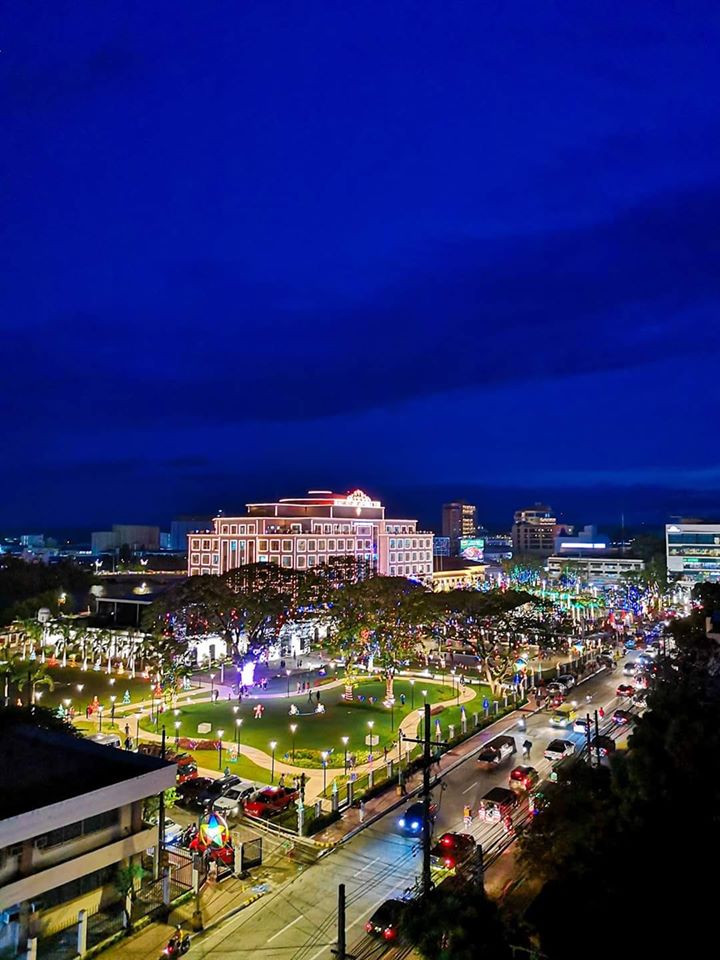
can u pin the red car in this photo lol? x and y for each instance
(625, 690)
(224, 854)
(523, 778)
(269, 801)
(451, 849)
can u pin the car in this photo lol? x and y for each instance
(625, 690)
(229, 804)
(269, 801)
(173, 831)
(497, 804)
(621, 716)
(192, 793)
(385, 921)
(556, 700)
(582, 725)
(567, 679)
(556, 687)
(603, 745)
(411, 821)
(559, 749)
(607, 662)
(523, 778)
(640, 696)
(452, 849)
(560, 719)
(496, 751)
(630, 668)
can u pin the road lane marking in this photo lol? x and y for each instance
(471, 787)
(286, 927)
(367, 866)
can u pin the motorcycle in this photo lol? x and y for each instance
(176, 946)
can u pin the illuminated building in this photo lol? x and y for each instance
(596, 569)
(459, 521)
(457, 574)
(693, 551)
(534, 531)
(301, 533)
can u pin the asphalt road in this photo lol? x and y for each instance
(298, 922)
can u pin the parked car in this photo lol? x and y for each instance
(386, 919)
(497, 804)
(452, 849)
(582, 724)
(559, 749)
(568, 680)
(229, 804)
(625, 690)
(629, 668)
(191, 793)
(270, 801)
(523, 778)
(556, 687)
(604, 745)
(411, 821)
(622, 717)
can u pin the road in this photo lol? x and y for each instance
(298, 921)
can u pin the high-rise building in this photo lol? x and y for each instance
(534, 530)
(303, 532)
(459, 522)
(693, 551)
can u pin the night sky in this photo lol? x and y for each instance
(428, 248)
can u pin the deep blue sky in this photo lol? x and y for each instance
(253, 247)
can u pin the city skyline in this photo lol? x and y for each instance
(440, 247)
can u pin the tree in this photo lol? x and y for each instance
(126, 879)
(379, 621)
(455, 922)
(35, 716)
(33, 674)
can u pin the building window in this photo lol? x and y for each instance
(392, 571)
(195, 559)
(287, 546)
(262, 558)
(233, 545)
(287, 561)
(274, 546)
(331, 544)
(301, 563)
(215, 559)
(320, 546)
(312, 561)
(301, 545)
(251, 528)
(311, 545)
(224, 529)
(262, 546)
(341, 544)
(206, 545)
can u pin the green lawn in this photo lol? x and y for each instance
(315, 732)
(68, 680)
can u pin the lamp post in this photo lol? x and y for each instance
(138, 717)
(412, 694)
(100, 713)
(324, 763)
(345, 745)
(113, 698)
(177, 733)
(67, 706)
(220, 748)
(212, 686)
(273, 744)
(287, 673)
(392, 714)
(424, 693)
(293, 729)
(238, 724)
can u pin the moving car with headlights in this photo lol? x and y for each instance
(497, 804)
(559, 749)
(385, 921)
(270, 801)
(496, 751)
(582, 725)
(411, 821)
(451, 850)
(625, 690)
(563, 716)
(622, 717)
(523, 778)
(630, 668)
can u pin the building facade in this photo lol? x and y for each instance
(693, 551)
(595, 570)
(73, 817)
(301, 533)
(459, 521)
(534, 531)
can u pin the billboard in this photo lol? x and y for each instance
(471, 548)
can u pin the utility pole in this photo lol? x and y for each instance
(157, 866)
(339, 951)
(588, 736)
(426, 878)
(597, 738)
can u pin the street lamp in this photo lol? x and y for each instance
(273, 744)
(287, 672)
(345, 743)
(412, 694)
(238, 724)
(212, 685)
(324, 763)
(80, 687)
(220, 748)
(100, 715)
(177, 733)
(138, 717)
(113, 698)
(293, 729)
(424, 693)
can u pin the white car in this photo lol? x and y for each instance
(580, 725)
(559, 749)
(629, 668)
(230, 803)
(173, 831)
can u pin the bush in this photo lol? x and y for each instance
(320, 823)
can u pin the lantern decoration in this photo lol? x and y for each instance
(214, 831)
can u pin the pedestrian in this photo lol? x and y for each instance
(227, 771)
(309, 696)
(240, 695)
(282, 780)
(527, 747)
(217, 694)
(317, 696)
(402, 699)
(362, 811)
(385, 754)
(298, 687)
(601, 713)
(467, 815)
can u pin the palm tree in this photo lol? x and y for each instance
(34, 674)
